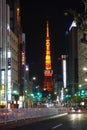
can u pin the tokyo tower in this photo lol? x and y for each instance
(48, 72)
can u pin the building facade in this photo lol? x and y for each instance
(10, 53)
(73, 59)
(82, 49)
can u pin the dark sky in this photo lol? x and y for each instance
(35, 13)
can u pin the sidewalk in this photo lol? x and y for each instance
(13, 124)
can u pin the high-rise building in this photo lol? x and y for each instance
(15, 25)
(48, 72)
(11, 55)
(8, 56)
(3, 53)
(13, 4)
(73, 58)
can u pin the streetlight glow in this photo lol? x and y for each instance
(27, 68)
(85, 68)
(34, 78)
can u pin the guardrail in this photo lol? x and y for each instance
(7, 115)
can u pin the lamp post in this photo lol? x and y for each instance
(26, 79)
(34, 82)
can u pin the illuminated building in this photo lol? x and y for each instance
(9, 82)
(15, 25)
(64, 70)
(13, 65)
(48, 72)
(3, 67)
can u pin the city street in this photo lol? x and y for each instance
(66, 122)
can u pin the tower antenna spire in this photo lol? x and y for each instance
(47, 30)
(48, 83)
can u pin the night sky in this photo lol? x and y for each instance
(35, 13)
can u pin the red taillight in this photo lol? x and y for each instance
(4, 114)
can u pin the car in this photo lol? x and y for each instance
(75, 110)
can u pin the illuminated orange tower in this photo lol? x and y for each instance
(48, 72)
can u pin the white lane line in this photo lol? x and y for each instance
(59, 115)
(56, 126)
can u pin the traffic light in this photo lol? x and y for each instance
(82, 92)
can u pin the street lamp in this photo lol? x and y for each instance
(34, 78)
(37, 87)
(26, 79)
(27, 68)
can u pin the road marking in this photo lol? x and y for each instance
(56, 126)
(58, 115)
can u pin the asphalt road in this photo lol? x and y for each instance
(66, 122)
